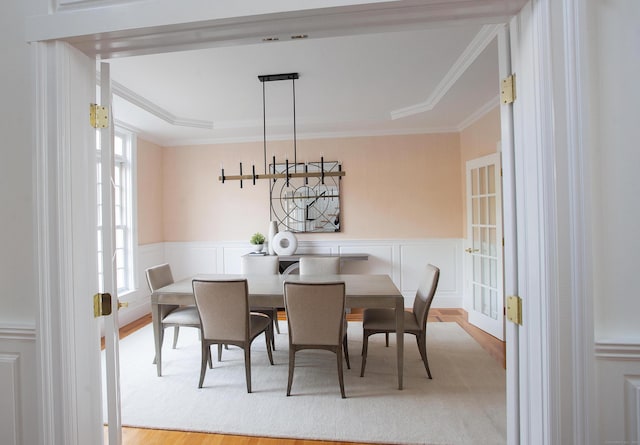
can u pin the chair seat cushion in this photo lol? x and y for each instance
(187, 315)
(384, 320)
(258, 323)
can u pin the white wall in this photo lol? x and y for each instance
(18, 313)
(615, 64)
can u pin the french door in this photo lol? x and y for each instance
(484, 226)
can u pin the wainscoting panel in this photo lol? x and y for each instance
(18, 377)
(445, 254)
(618, 379)
(403, 260)
(192, 258)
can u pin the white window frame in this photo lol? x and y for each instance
(127, 190)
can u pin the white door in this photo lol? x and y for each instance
(106, 248)
(484, 235)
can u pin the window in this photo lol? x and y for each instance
(124, 206)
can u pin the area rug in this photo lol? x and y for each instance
(463, 404)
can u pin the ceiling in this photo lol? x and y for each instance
(437, 79)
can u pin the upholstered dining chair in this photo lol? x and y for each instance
(170, 315)
(383, 320)
(223, 306)
(325, 265)
(319, 265)
(315, 316)
(263, 265)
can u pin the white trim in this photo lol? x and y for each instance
(150, 107)
(11, 393)
(632, 409)
(617, 350)
(585, 429)
(304, 136)
(479, 113)
(471, 52)
(13, 332)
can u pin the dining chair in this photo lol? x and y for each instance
(170, 315)
(325, 265)
(263, 265)
(319, 265)
(383, 320)
(223, 307)
(315, 316)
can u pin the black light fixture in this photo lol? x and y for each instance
(287, 174)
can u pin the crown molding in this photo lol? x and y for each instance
(142, 102)
(476, 115)
(303, 136)
(468, 56)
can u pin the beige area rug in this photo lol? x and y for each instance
(463, 404)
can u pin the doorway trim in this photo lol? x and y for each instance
(59, 417)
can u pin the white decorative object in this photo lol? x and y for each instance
(285, 243)
(273, 231)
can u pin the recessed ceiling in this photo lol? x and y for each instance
(395, 82)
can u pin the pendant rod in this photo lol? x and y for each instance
(264, 129)
(295, 150)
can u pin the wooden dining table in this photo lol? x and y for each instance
(362, 291)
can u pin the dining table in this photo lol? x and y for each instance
(362, 291)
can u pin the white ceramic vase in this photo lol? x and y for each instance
(273, 230)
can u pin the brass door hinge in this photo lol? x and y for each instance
(514, 309)
(98, 116)
(508, 90)
(101, 305)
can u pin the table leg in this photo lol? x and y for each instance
(155, 317)
(400, 338)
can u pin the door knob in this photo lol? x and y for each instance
(121, 304)
(470, 250)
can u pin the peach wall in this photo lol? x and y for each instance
(150, 202)
(477, 140)
(395, 187)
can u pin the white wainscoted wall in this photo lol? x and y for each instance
(18, 382)
(402, 260)
(618, 376)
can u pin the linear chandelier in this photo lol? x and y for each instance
(287, 174)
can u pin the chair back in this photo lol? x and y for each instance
(223, 306)
(159, 276)
(315, 312)
(260, 265)
(319, 265)
(424, 294)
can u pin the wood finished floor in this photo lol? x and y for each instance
(139, 436)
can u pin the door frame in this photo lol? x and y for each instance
(65, 399)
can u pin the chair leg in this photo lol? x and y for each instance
(292, 364)
(176, 331)
(422, 347)
(219, 352)
(386, 339)
(247, 365)
(340, 371)
(210, 360)
(206, 356)
(345, 346)
(365, 347)
(268, 336)
(275, 321)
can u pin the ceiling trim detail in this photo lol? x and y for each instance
(476, 115)
(159, 112)
(475, 48)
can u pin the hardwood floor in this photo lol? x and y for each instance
(138, 436)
